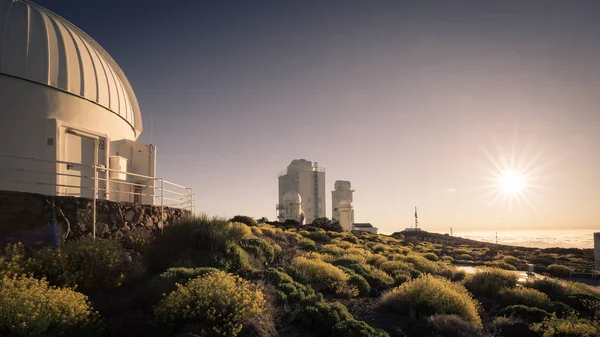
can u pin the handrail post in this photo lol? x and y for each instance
(95, 191)
(162, 205)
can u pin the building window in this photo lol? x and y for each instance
(137, 196)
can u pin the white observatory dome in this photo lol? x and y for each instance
(42, 48)
(292, 197)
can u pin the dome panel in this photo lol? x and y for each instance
(40, 46)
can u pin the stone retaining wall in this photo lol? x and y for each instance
(25, 217)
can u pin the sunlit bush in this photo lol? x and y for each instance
(325, 319)
(376, 260)
(320, 272)
(167, 281)
(221, 303)
(453, 326)
(429, 295)
(567, 327)
(31, 307)
(290, 291)
(526, 313)
(431, 256)
(489, 281)
(559, 270)
(525, 296)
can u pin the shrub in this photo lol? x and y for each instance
(246, 220)
(428, 295)
(453, 326)
(332, 249)
(319, 236)
(431, 256)
(525, 296)
(526, 313)
(197, 239)
(376, 260)
(219, 302)
(167, 281)
(464, 257)
(447, 259)
(503, 265)
(396, 267)
(234, 259)
(512, 260)
(290, 291)
(48, 262)
(379, 279)
(566, 327)
(100, 265)
(260, 248)
(489, 281)
(320, 272)
(11, 262)
(307, 244)
(559, 270)
(421, 264)
(31, 307)
(333, 319)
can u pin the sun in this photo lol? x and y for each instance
(512, 182)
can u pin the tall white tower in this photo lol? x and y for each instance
(597, 250)
(342, 191)
(346, 214)
(307, 179)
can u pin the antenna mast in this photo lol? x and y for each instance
(416, 219)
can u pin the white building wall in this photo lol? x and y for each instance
(597, 250)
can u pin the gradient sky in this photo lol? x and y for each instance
(404, 99)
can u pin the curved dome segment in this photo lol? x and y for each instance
(40, 46)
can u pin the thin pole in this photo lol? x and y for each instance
(162, 210)
(95, 188)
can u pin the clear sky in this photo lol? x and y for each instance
(417, 103)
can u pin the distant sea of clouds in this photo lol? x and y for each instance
(536, 238)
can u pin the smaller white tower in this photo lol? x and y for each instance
(346, 214)
(597, 250)
(292, 207)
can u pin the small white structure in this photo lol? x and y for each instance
(346, 216)
(292, 203)
(365, 227)
(307, 179)
(342, 191)
(66, 107)
(597, 250)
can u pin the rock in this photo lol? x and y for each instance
(149, 223)
(137, 218)
(125, 227)
(129, 216)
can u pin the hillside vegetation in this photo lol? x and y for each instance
(215, 277)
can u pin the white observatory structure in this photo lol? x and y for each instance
(292, 207)
(66, 108)
(597, 250)
(342, 191)
(308, 180)
(346, 215)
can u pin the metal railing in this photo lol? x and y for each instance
(53, 177)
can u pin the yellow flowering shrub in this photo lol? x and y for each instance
(219, 302)
(320, 272)
(31, 307)
(428, 295)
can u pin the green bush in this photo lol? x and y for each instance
(325, 319)
(421, 264)
(489, 281)
(307, 244)
(167, 281)
(31, 307)
(319, 236)
(376, 260)
(260, 248)
(396, 267)
(199, 239)
(357, 281)
(234, 259)
(246, 220)
(12, 260)
(452, 326)
(379, 279)
(429, 295)
(321, 273)
(464, 257)
(559, 270)
(431, 256)
(503, 265)
(290, 291)
(512, 260)
(447, 259)
(525, 296)
(218, 302)
(526, 313)
(567, 327)
(100, 265)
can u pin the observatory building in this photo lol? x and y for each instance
(67, 112)
(342, 191)
(307, 180)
